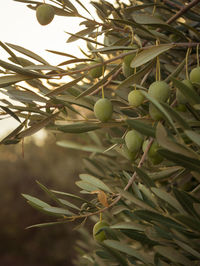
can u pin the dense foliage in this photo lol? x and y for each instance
(142, 170)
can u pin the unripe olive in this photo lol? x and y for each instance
(153, 155)
(97, 71)
(159, 90)
(45, 14)
(128, 154)
(181, 99)
(128, 58)
(101, 236)
(103, 109)
(154, 113)
(133, 140)
(127, 70)
(195, 75)
(135, 98)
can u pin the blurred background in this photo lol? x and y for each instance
(55, 167)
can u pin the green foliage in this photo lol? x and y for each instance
(150, 198)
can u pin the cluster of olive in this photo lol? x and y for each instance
(45, 14)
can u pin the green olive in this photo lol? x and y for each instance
(45, 14)
(159, 90)
(128, 58)
(128, 154)
(101, 236)
(154, 113)
(103, 110)
(195, 75)
(133, 140)
(153, 155)
(127, 70)
(135, 98)
(97, 71)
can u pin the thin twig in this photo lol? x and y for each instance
(182, 11)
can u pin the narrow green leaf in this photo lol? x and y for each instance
(79, 127)
(152, 217)
(191, 95)
(64, 87)
(194, 136)
(44, 225)
(36, 127)
(57, 211)
(187, 248)
(36, 201)
(164, 173)
(167, 197)
(177, 71)
(142, 127)
(12, 79)
(136, 201)
(95, 181)
(20, 70)
(149, 54)
(173, 255)
(77, 146)
(165, 142)
(122, 247)
(187, 162)
(186, 201)
(144, 177)
(176, 116)
(28, 53)
(11, 113)
(86, 186)
(129, 225)
(189, 221)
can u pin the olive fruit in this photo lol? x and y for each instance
(154, 113)
(159, 90)
(133, 140)
(45, 14)
(135, 98)
(128, 154)
(103, 109)
(101, 236)
(128, 58)
(195, 75)
(127, 70)
(97, 71)
(181, 99)
(153, 155)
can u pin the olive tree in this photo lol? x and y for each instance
(133, 103)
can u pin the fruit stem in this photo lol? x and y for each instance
(186, 63)
(198, 54)
(100, 216)
(154, 7)
(102, 91)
